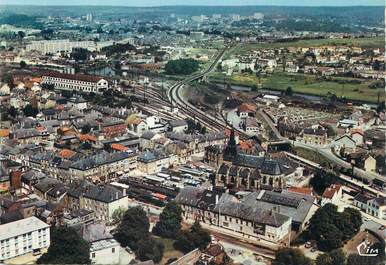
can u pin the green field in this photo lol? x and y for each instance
(376, 42)
(308, 84)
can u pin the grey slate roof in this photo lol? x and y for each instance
(95, 232)
(292, 204)
(240, 209)
(103, 193)
(99, 159)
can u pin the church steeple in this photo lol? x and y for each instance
(231, 149)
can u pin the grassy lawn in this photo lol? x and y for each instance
(376, 42)
(308, 84)
(311, 155)
(170, 252)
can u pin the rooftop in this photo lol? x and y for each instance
(23, 226)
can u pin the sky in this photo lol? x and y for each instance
(196, 2)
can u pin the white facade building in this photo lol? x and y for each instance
(77, 82)
(22, 237)
(55, 46)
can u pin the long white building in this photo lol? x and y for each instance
(77, 82)
(22, 237)
(55, 46)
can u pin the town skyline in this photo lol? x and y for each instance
(155, 3)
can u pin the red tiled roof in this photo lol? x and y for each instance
(302, 190)
(119, 147)
(66, 153)
(4, 132)
(87, 137)
(330, 191)
(245, 107)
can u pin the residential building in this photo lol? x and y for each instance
(332, 194)
(178, 126)
(314, 136)
(103, 166)
(103, 200)
(377, 207)
(29, 235)
(150, 162)
(246, 110)
(77, 82)
(346, 143)
(104, 249)
(239, 216)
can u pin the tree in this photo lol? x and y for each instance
(337, 257)
(23, 64)
(289, 91)
(290, 256)
(150, 249)
(21, 34)
(67, 247)
(12, 111)
(355, 259)
(118, 215)
(323, 179)
(48, 86)
(196, 237)
(323, 259)
(169, 223)
(86, 128)
(30, 111)
(133, 227)
(181, 66)
(200, 237)
(330, 228)
(80, 54)
(8, 79)
(47, 33)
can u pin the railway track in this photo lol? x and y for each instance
(212, 123)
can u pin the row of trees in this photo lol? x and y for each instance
(181, 66)
(118, 48)
(291, 256)
(133, 231)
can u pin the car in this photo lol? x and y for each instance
(308, 244)
(36, 252)
(382, 227)
(128, 249)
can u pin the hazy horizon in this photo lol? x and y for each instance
(155, 3)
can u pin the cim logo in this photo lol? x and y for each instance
(367, 250)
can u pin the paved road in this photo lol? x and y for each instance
(248, 246)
